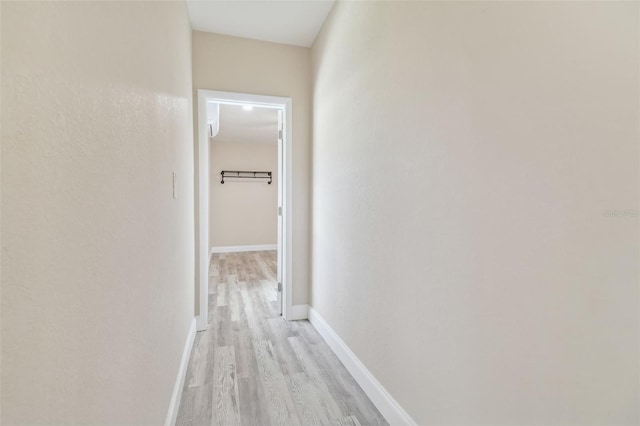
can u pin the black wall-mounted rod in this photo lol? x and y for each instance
(238, 174)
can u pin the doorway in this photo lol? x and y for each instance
(209, 104)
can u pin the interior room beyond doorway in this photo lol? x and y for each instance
(243, 210)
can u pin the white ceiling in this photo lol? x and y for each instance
(260, 125)
(295, 22)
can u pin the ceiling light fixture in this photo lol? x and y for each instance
(247, 107)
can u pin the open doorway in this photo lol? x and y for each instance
(244, 141)
(243, 203)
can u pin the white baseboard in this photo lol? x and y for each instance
(174, 404)
(235, 249)
(384, 402)
(202, 322)
(299, 312)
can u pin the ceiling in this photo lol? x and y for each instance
(287, 22)
(260, 125)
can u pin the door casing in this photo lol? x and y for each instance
(285, 181)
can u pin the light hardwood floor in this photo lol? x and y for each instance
(251, 367)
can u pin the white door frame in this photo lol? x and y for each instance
(286, 182)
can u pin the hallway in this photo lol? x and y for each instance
(251, 367)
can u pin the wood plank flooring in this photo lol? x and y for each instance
(251, 367)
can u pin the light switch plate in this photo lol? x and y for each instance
(175, 186)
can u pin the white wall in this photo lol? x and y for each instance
(235, 64)
(97, 257)
(464, 156)
(0, 203)
(243, 212)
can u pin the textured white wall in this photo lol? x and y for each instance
(243, 212)
(464, 157)
(97, 257)
(235, 64)
(0, 206)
